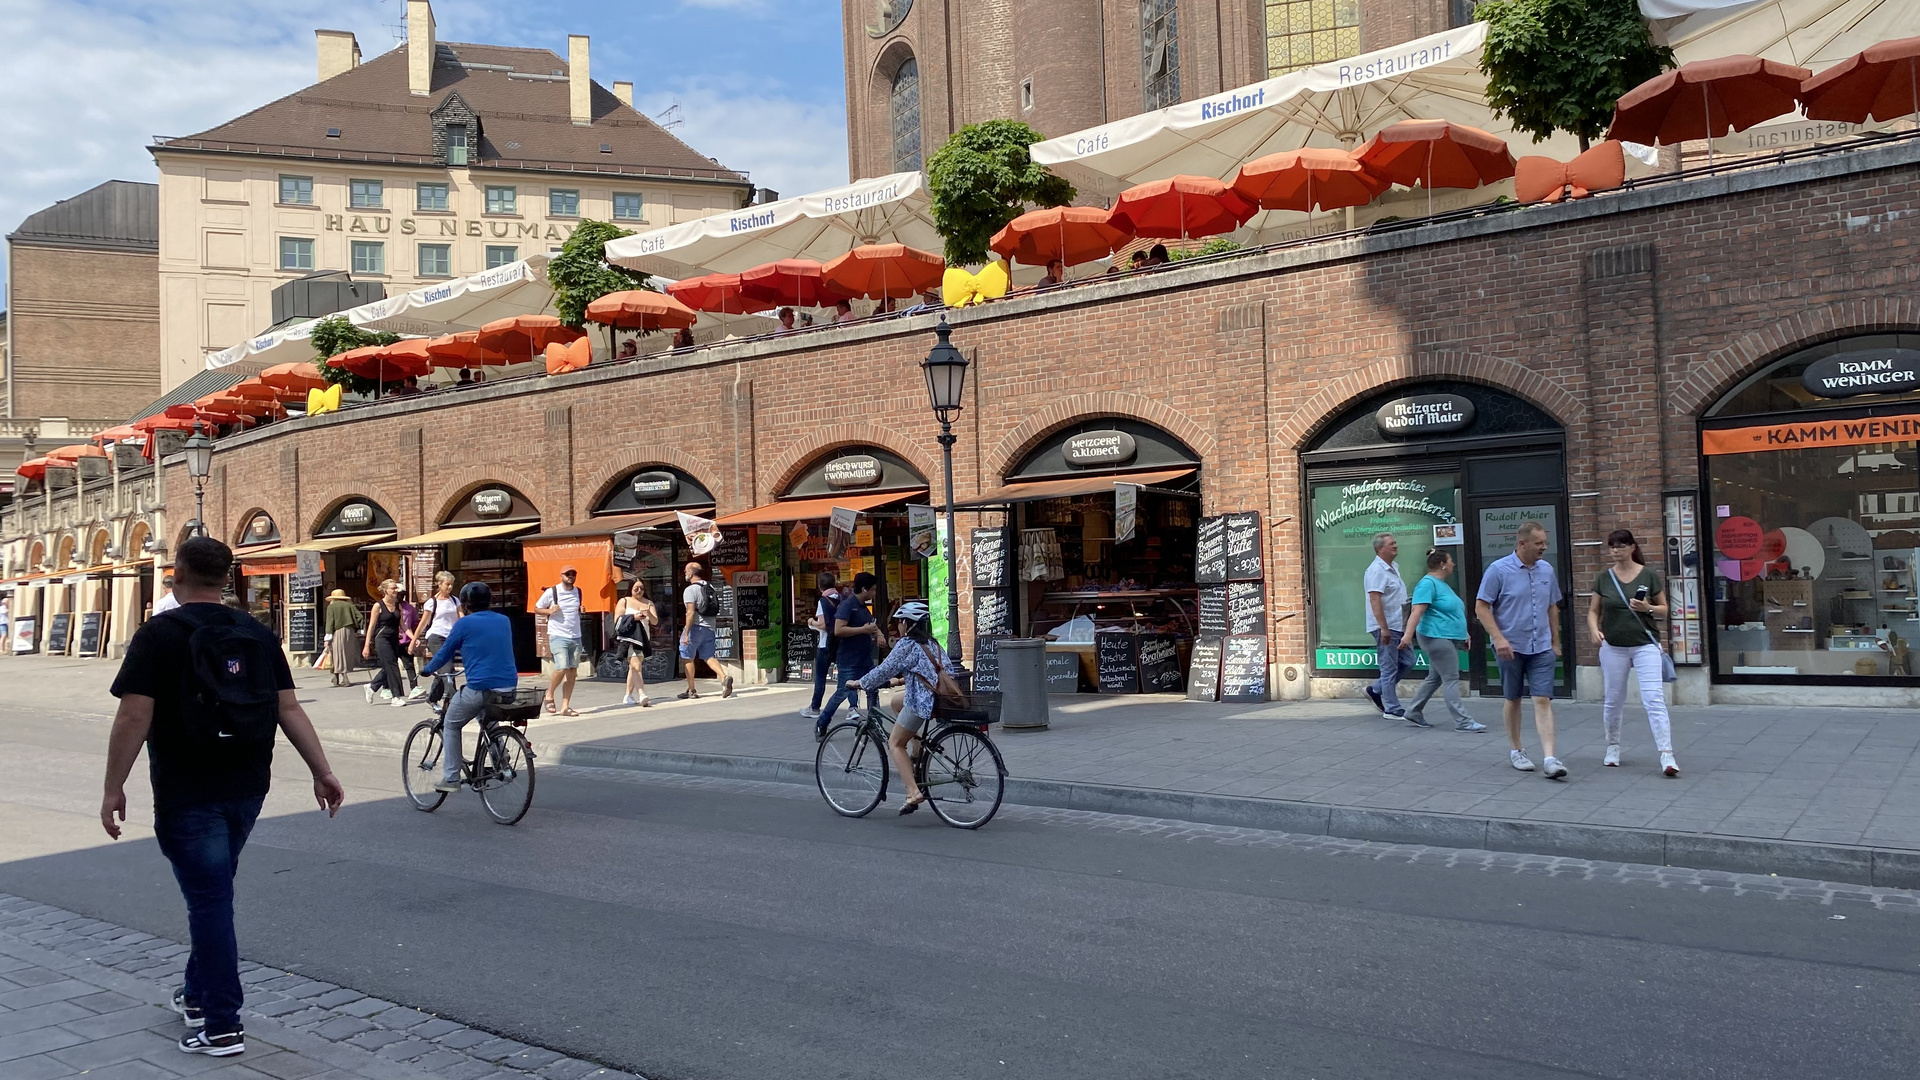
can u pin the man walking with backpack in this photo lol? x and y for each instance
(206, 689)
(561, 607)
(697, 635)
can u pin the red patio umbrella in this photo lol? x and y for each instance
(293, 380)
(463, 350)
(253, 387)
(522, 337)
(34, 469)
(717, 293)
(167, 421)
(799, 282)
(1436, 153)
(1180, 208)
(642, 309)
(1881, 83)
(1072, 234)
(1308, 178)
(1707, 99)
(69, 454)
(121, 433)
(387, 363)
(878, 271)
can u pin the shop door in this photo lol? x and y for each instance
(1490, 528)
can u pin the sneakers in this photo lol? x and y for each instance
(1469, 725)
(199, 1042)
(1416, 720)
(1612, 760)
(628, 700)
(419, 692)
(726, 688)
(386, 694)
(1667, 765)
(195, 1019)
(809, 713)
(447, 785)
(399, 703)
(1553, 769)
(369, 689)
(1520, 761)
(1374, 696)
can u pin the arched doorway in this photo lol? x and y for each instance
(478, 539)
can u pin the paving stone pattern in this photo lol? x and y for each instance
(82, 997)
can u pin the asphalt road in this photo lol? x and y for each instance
(690, 932)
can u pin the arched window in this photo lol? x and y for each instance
(903, 107)
(1159, 54)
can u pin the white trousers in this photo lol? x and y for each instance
(1643, 661)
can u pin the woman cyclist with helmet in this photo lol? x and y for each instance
(914, 659)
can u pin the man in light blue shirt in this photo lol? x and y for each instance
(1519, 604)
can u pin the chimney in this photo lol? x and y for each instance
(579, 80)
(420, 47)
(624, 91)
(339, 52)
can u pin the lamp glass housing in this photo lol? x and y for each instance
(199, 451)
(946, 370)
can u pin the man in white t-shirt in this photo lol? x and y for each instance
(169, 601)
(1386, 621)
(561, 605)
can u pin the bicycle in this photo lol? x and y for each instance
(502, 767)
(957, 766)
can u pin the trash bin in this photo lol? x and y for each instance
(1023, 683)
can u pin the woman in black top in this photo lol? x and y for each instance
(383, 636)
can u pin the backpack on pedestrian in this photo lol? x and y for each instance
(709, 604)
(232, 699)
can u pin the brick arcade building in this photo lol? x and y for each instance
(1641, 359)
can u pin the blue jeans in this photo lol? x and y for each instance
(820, 666)
(850, 674)
(467, 703)
(203, 843)
(1393, 662)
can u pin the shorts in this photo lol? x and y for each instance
(1527, 675)
(910, 721)
(697, 644)
(566, 651)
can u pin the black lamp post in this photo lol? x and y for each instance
(946, 369)
(199, 451)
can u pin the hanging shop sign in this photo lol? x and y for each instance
(852, 472)
(1424, 414)
(260, 528)
(356, 515)
(654, 486)
(1093, 449)
(491, 502)
(1877, 371)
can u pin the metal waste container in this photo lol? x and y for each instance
(1023, 683)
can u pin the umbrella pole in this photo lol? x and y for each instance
(1706, 108)
(1913, 84)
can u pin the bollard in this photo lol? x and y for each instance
(1023, 684)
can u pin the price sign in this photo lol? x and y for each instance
(1159, 664)
(1244, 561)
(1246, 607)
(734, 549)
(1117, 660)
(1243, 668)
(1063, 672)
(1203, 670)
(986, 665)
(989, 558)
(1210, 551)
(57, 632)
(1213, 609)
(90, 624)
(992, 613)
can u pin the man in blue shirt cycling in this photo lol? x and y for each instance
(484, 640)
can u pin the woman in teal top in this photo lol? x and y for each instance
(1438, 622)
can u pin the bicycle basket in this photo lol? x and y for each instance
(517, 706)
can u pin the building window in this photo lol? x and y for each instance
(904, 107)
(369, 257)
(457, 144)
(1462, 12)
(1159, 54)
(296, 253)
(498, 255)
(1302, 33)
(430, 196)
(563, 202)
(436, 260)
(297, 190)
(370, 194)
(500, 200)
(627, 206)
(1026, 93)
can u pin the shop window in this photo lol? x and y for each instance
(1302, 33)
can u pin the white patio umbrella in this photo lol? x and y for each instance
(1808, 33)
(1337, 104)
(881, 210)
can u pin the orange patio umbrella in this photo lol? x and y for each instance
(879, 271)
(167, 421)
(463, 350)
(1180, 208)
(67, 455)
(717, 293)
(1308, 178)
(1707, 99)
(121, 433)
(642, 309)
(1072, 234)
(799, 282)
(1436, 153)
(293, 380)
(34, 469)
(386, 363)
(525, 336)
(242, 406)
(1881, 83)
(253, 388)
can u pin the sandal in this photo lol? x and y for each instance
(688, 695)
(911, 805)
(551, 707)
(569, 712)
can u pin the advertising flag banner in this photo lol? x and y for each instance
(1126, 506)
(701, 533)
(840, 531)
(920, 531)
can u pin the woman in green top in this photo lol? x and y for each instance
(343, 627)
(1439, 622)
(1629, 600)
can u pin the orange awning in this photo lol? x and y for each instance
(809, 509)
(1034, 490)
(613, 523)
(591, 556)
(269, 567)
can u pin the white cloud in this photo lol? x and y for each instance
(789, 145)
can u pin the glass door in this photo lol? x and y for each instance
(1491, 524)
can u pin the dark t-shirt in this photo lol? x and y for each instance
(855, 652)
(1620, 625)
(187, 772)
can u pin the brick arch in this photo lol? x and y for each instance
(461, 482)
(601, 482)
(1721, 370)
(239, 524)
(138, 530)
(1072, 410)
(820, 440)
(1326, 406)
(338, 490)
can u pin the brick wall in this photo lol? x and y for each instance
(86, 332)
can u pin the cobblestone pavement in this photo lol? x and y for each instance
(82, 997)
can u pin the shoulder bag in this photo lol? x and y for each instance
(1667, 672)
(946, 691)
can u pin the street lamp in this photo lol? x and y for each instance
(199, 451)
(946, 371)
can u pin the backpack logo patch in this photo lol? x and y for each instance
(234, 666)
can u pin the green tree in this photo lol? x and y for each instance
(580, 273)
(1560, 65)
(983, 178)
(334, 335)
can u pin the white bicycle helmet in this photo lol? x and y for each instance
(912, 611)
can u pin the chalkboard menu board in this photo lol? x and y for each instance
(1213, 609)
(986, 665)
(1159, 664)
(992, 612)
(734, 549)
(752, 603)
(1203, 670)
(1063, 672)
(724, 633)
(1210, 551)
(725, 594)
(1244, 561)
(801, 645)
(1246, 607)
(1243, 668)
(301, 629)
(990, 559)
(1116, 657)
(89, 644)
(57, 632)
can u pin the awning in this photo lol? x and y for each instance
(263, 567)
(1814, 35)
(247, 550)
(329, 543)
(455, 536)
(1035, 490)
(613, 523)
(592, 556)
(809, 509)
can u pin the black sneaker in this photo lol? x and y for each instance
(200, 1042)
(1374, 696)
(190, 1013)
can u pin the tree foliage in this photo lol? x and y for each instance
(983, 178)
(1560, 65)
(334, 335)
(580, 273)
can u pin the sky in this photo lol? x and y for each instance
(88, 83)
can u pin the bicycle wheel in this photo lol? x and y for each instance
(420, 767)
(850, 767)
(506, 776)
(964, 777)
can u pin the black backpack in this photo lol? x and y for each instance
(709, 604)
(827, 613)
(232, 699)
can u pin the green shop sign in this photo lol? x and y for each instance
(1365, 658)
(1347, 515)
